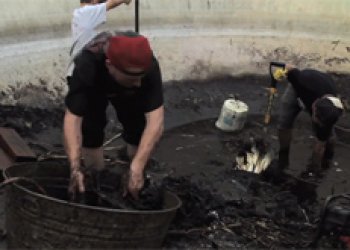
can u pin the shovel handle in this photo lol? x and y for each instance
(267, 118)
(137, 17)
(278, 64)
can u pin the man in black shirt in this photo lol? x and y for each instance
(314, 92)
(121, 70)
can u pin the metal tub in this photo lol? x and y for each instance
(37, 221)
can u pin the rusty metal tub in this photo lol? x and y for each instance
(37, 221)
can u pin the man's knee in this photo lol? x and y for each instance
(287, 115)
(289, 109)
(285, 121)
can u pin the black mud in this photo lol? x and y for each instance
(222, 207)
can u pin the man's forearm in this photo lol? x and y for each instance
(114, 3)
(151, 135)
(72, 138)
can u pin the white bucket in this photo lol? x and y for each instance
(233, 115)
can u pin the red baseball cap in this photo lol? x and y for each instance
(129, 52)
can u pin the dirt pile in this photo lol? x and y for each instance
(29, 121)
(269, 216)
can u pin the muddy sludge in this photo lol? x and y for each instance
(223, 207)
(229, 208)
(210, 220)
(210, 171)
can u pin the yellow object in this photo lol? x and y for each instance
(273, 91)
(279, 74)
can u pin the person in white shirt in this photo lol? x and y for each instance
(86, 20)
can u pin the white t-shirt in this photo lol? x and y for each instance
(86, 20)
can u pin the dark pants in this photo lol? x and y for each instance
(95, 121)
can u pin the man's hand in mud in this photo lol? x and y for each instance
(76, 183)
(134, 184)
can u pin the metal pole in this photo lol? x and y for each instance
(137, 16)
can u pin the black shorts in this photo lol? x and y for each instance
(95, 121)
(289, 110)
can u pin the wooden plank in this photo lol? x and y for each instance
(14, 146)
(5, 161)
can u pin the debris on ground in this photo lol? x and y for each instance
(255, 156)
(259, 214)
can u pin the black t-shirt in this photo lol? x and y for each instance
(91, 83)
(310, 85)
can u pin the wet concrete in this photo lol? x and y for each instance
(217, 150)
(199, 158)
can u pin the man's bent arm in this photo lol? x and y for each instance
(73, 138)
(151, 135)
(110, 4)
